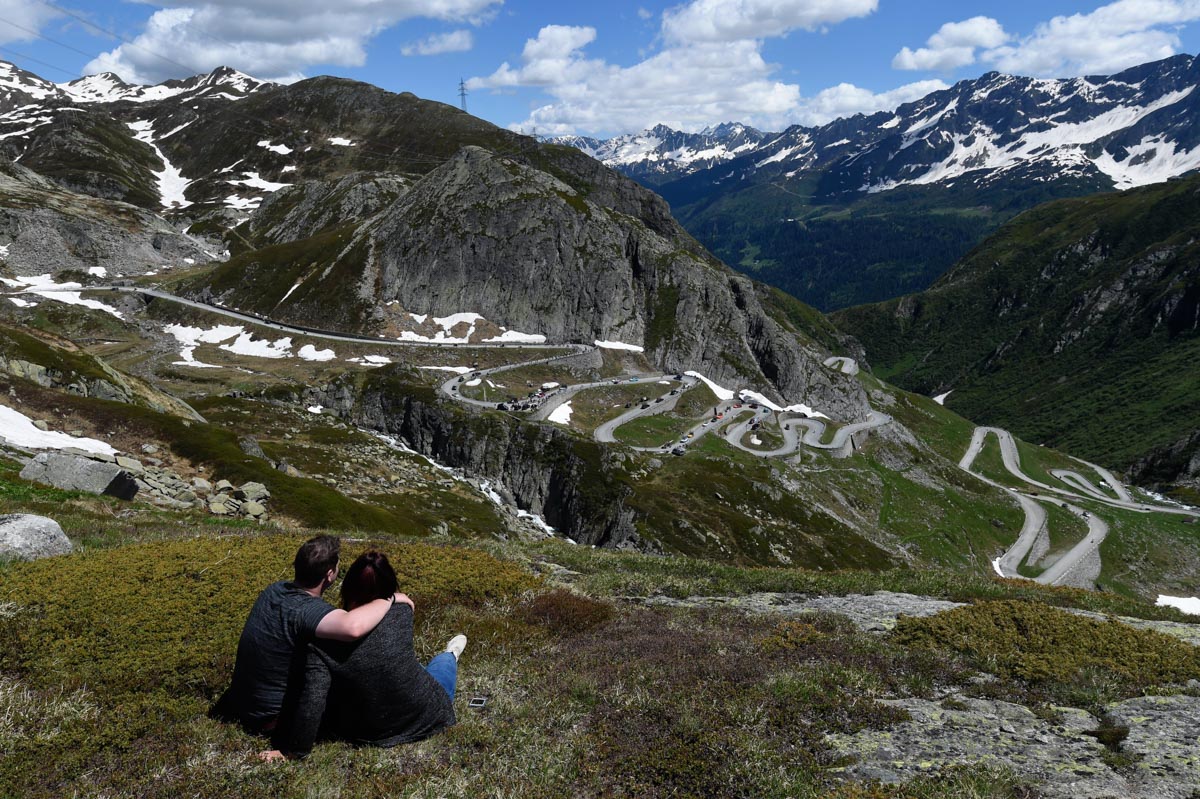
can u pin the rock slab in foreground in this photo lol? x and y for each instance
(24, 536)
(1057, 756)
(74, 473)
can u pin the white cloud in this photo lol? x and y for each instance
(274, 39)
(730, 20)
(687, 85)
(550, 59)
(458, 41)
(1115, 36)
(954, 45)
(1109, 39)
(21, 17)
(684, 87)
(846, 100)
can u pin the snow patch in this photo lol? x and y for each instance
(314, 408)
(282, 149)
(67, 293)
(1188, 604)
(20, 431)
(458, 370)
(618, 345)
(97, 271)
(246, 344)
(340, 142)
(310, 353)
(171, 182)
(940, 399)
(191, 337)
(253, 181)
(561, 414)
(722, 393)
(516, 337)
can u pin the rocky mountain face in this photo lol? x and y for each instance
(975, 154)
(1077, 325)
(45, 229)
(488, 235)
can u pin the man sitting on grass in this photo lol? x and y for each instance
(285, 618)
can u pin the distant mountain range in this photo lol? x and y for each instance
(776, 205)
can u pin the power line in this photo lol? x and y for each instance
(24, 57)
(47, 38)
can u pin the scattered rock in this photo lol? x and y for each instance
(255, 492)
(253, 509)
(75, 473)
(149, 449)
(250, 446)
(24, 536)
(40, 425)
(201, 485)
(224, 487)
(131, 465)
(875, 613)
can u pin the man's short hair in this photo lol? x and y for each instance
(315, 558)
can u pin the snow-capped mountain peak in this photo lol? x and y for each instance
(1137, 127)
(106, 87)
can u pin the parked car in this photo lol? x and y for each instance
(660, 399)
(629, 405)
(645, 405)
(678, 451)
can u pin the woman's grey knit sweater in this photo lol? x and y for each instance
(373, 691)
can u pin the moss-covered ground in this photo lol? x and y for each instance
(106, 683)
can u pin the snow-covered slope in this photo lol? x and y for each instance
(106, 87)
(661, 154)
(1138, 127)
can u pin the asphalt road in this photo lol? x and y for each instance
(1035, 515)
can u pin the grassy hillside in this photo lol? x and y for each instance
(106, 683)
(1074, 326)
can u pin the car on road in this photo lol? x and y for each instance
(737, 405)
(691, 435)
(501, 407)
(660, 399)
(616, 381)
(633, 380)
(754, 406)
(678, 451)
(645, 405)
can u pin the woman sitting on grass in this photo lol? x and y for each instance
(372, 691)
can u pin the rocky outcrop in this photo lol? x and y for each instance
(79, 473)
(1177, 463)
(24, 536)
(1057, 754)
(587, 256)
(47, 229)
(580, 488)
(126, 478)
(62, 366)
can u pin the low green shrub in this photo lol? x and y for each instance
(1054, 650)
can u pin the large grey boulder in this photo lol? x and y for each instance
(75, 473)
(24, 536)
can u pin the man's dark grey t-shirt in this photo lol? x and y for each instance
(283, 620)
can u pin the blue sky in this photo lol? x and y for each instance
(607, 68)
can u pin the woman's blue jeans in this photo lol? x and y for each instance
(444, 669)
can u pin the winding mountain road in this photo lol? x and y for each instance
(605, 433)
(1035, 516)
